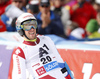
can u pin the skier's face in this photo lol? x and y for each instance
(31, 34)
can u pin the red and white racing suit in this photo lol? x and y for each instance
(40, 58)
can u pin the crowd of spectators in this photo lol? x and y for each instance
(70, 19)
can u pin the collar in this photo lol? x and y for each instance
(31, 40)
(32, 43)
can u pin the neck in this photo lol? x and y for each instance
(34, 40)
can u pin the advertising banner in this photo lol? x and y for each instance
(5, 56)
(84, 64)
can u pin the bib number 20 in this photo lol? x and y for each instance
(46, 60)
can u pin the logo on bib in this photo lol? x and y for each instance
(40, 71)
(51, 66)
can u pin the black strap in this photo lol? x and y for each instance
(63, 70)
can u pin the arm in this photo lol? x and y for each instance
(53, 25)
(52, 28)
(17, 66)
(65, 65)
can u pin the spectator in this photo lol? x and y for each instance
(59, 9)
(48, 22)
(3, 5)
(82, 12)
(92, 29)
(33, 7)
(25, 2)
(17, 3)
(12, 11)
(74, 32)
(98, 20)
(70, 3)
(96, 5)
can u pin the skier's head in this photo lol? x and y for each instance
(26, 25)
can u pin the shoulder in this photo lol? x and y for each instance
(54, 16)
(42, 37)
(19, 52)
